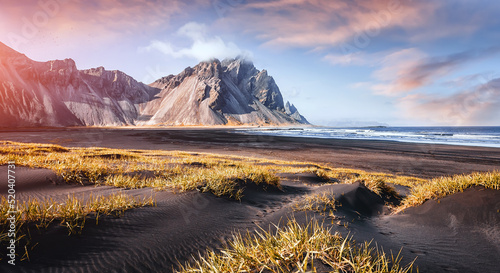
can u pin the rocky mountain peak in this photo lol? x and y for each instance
(292, 111)
(97, 71)
(109, 75)
(172, 81)
(118, 85)
(209, 69)
(66, 64)
(60, 72)
(238, 69)
(290, 108)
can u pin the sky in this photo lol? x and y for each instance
(341, 63)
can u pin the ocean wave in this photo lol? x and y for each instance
(470, 136)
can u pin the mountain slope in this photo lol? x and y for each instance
(56, 93)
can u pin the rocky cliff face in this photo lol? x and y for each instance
(213, 93)
(56, 93)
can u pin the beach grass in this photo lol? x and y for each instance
(296, 248)
(219, 180)
(320, 202)
(220, 175)
(379, 183)
(71, 213)
(444, 186)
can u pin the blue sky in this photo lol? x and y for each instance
(360, 62)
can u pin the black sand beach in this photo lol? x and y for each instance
(421, 160)
(458, 233)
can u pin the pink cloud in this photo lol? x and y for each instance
(320, 23)
(26, 22)
(409, 69)
(396, 73)
(477, 106)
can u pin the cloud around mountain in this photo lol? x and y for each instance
(202, 46)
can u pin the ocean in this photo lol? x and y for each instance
(469, 136)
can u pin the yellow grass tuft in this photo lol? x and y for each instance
(71, 212)
(296, 248)
(320, 202)
(443, 186)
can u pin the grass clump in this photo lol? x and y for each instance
(350, 176)
(227, 181)
(72, 213)
(378, 185)
(296, 248)
(320, 202)
(8, 147)
(322, 174)
(134, 182)
(443, 186)
(376, 182)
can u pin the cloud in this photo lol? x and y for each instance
(409, 69)
(203, 47)
(27, 22)
(403, 74)
(324, 23)
(465, 81)
(395, 75)
(477, 106)
(356, 58)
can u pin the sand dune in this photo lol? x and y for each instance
(457, 234)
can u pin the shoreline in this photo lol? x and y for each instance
(405, 134)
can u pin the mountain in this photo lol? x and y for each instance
(213, 93)
(56, 93)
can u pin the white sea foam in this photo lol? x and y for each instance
(470, 136)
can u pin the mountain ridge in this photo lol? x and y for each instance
(56, 93)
